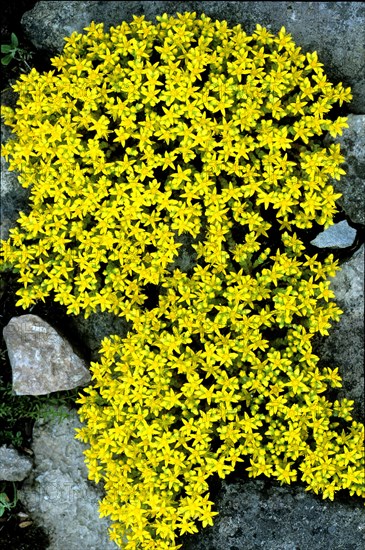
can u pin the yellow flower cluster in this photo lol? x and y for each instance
(147, 132)
(222, 372)
(188, 129)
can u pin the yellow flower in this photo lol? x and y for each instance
(284, 474)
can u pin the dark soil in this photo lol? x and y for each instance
(18, 532)
(11, 14)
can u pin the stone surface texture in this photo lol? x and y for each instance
(335, 29)
(58, 493)
(255, 515)
(42, 361)
(339, 235)
(344, 347)
(13, 466)
(352, 185)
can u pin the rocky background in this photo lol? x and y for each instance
(256, 514)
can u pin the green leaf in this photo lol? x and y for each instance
(6, 59)
(6, 48)
(4, 503)
(14, 40)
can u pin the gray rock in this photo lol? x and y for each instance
(58, 494)
(336, 30)
(352, 185)
(13, 197)
(344, 347)
(256, 515)
(13, 466)
(41, 360)
(97, 326)
(339, 235)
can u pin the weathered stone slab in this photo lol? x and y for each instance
(352, 184)
(257, 515)
(344, 347)
(42, 361)
(58, 494)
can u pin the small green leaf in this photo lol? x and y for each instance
(6, 48)
(14, 40)
(6, 59)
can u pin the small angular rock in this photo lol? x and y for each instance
(339, 235)
(13, 466)
(42, 361)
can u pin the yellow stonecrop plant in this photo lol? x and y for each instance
(147, 132)
(141, 138)
(202, 383)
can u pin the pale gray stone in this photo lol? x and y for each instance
(352, 184)
(13, 465)
(336, 30)
(58, 494)
(339, 235)
(41, 360)
(344, 347)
